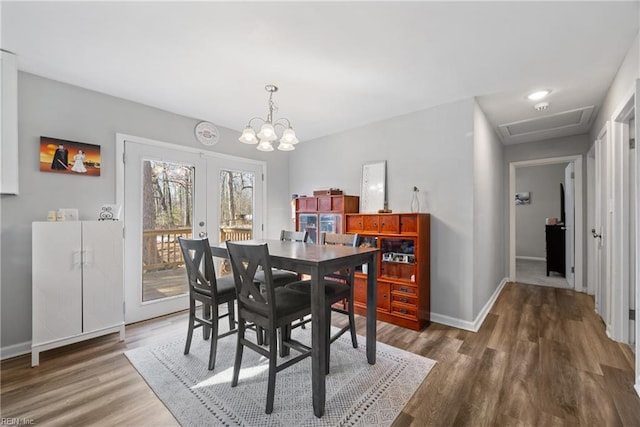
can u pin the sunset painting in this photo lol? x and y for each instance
(68, 157)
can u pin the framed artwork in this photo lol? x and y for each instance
(523, 198)
(69, 157)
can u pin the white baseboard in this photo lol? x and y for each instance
(532, 258)
(15, 350)
(477, 323)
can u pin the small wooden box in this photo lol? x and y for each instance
(327, 192)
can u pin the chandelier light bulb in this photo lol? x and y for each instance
(267, 132)
(283, 146)
(265, 146)
(248, 136)
(289, 137)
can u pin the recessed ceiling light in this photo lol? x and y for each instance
(538, 95)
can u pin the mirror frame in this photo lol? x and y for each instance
(373, 187)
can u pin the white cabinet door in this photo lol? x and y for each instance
(57, 281)
(103, 293)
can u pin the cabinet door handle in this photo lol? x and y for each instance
(403, 289)
(375, 224)
(403, 300)
(403, 311)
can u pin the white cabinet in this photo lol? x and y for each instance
(77, 282)
(8, 123)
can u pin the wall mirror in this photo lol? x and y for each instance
(373, 190)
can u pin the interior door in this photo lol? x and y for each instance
(569, 219)
(165, 198)
(602, 228)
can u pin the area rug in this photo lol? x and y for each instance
(357, 393)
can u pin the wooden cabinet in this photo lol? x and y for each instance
(404, 266)
(324, 213)
(555, 246)
(77, 283)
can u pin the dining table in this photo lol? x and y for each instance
(317, 261)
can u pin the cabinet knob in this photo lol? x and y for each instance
(384, 296)
(403, 311)
(403, 300)
(403, 289)
(375, 224)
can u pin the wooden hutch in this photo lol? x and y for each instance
(320, 213)
(404, 266)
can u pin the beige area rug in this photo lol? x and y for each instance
(357, 393)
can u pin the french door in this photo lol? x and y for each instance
(172, 192)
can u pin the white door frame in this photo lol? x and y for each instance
(636, 159)
(120, 180)
(579, 207)
(620, 217)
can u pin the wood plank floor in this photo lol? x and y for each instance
(541, 358)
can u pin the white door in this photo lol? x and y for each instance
(569, 221)
(633, 182)
(164, 198)
(235, 189)
(602, 228)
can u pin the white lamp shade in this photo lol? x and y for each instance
(289, 137)
(267, 133)
(248, 136)
(283, 146)
(265, 146)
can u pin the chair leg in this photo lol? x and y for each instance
(206, 314)
(352, 325)
(214, 338)
(192, 321)
(239, 348)
(285, 335)
(232, 315)
(259, 335)
(273, 356)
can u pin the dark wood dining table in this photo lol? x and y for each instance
(317, 261)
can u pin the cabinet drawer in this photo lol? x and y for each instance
(408, 224)
(389, 224)
(354, 224)
(404, 310)
(308, 204)
(404, 289)
(370, 223)
(404, 299)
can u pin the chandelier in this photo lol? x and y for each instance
(267, 133)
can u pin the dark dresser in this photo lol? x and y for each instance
(555, 248)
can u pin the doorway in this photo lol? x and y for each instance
(170, 191)
(576, 161)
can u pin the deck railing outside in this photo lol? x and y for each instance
(166, 254)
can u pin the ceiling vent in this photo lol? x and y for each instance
(541, 106)
(572, 122)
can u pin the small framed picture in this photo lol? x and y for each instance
(523, 198)
(69, 157)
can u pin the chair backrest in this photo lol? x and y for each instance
(199, 264)
(246, 259)
(339, 239)
(294, 236)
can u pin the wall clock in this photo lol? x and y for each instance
(207, 133)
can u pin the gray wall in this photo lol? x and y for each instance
(431, 149)
(544, 184)
(58, 110)
(489, 219)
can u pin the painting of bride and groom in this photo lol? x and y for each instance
(77, 158)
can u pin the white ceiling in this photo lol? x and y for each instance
(338, 65)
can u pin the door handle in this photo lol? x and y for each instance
(595, 235)
(202, 234)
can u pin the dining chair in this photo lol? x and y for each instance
(273, 309)
(338, 287)
(208, 289)
(284, 277)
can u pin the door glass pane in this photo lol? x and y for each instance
(236, 208)
(167, 213)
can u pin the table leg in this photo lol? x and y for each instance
(371, 310)
(318, 343)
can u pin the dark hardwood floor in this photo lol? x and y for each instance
(541, 358)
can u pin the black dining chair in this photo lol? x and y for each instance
(338, 288)
(208, 289)
(273, 309)
(284, 277)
